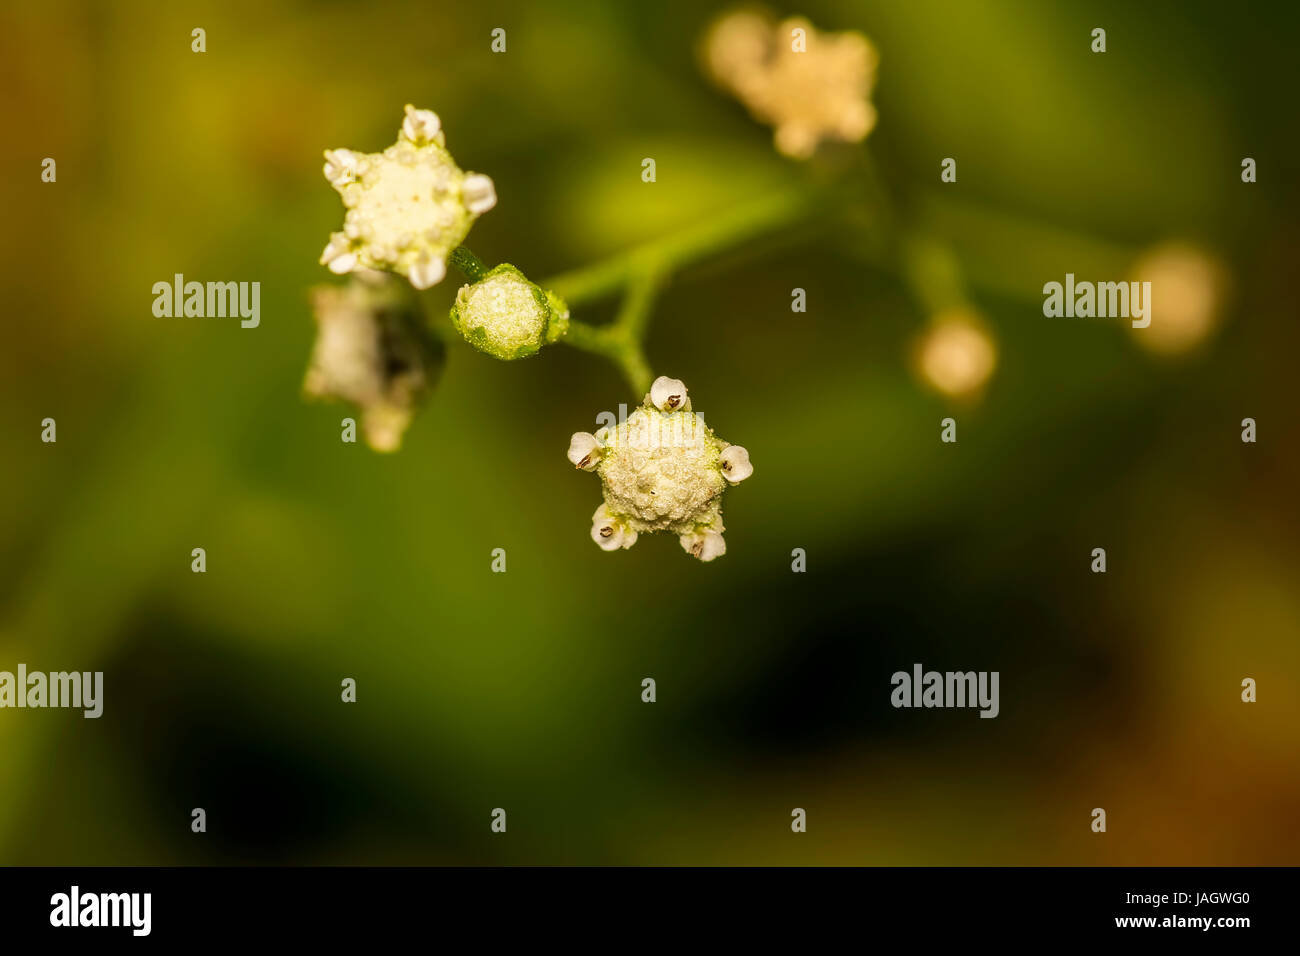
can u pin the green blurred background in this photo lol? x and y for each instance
(522, 690)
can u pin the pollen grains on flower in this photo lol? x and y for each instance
(407, 207)
(810, 86)
(661, 470)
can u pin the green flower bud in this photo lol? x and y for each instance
(505, 315)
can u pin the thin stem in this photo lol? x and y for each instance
(715, 235)
(470, 265)
(642, 290)
(612, 343)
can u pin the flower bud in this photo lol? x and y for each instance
(505, 315)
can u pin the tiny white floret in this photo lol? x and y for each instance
(340, 166)
(421, 126)
(705, 545)
(426, 273)
(338, 255)
(735, 463)
(584, 450)
(479, 193)
(608, 531)
(668, 394)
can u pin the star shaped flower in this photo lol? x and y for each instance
(407, 207)
(662, 469)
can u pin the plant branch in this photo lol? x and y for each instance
(716, 235)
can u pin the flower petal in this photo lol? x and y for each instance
(338, 255)
(479, 193)
(341, 166)
(426, 273)
(585, 450)
(735, 463)
(705, 545)
(421, 126)
(608, 532)
(668, 394)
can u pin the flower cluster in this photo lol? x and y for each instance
(372, 349)
(662, 469)
(505, 315)
(810, 86)
(407, 207)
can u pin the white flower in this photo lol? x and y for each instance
(585, 450)
(610, 531)
(957, 355)
(1190, 286)
(669, 394)
(705, 545)
(821, 92)
(426, 272)
(479, 193)
(661, 471)
(340, 166)
(338, 255)
(407, 207)
(422, 126)
(371, 350)
(735, 464)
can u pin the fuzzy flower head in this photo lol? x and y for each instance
(371, 350)
(957, 355)
(808, 85)
(661, 469)
(1188, 290)
(407, 207)
(507, 316)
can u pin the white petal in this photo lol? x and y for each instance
(342, 265)
(705, 545)
(607, 534)
(427, 272)
(668, 394)
(478, 193)
(584, 450)
(420, 125)
(338, 255)
(341, 166)
(608, 531)
(735, 463)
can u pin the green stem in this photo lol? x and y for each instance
(716, 235)
(612, 343)
(470, 265)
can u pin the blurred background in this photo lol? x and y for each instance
(522, 690)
